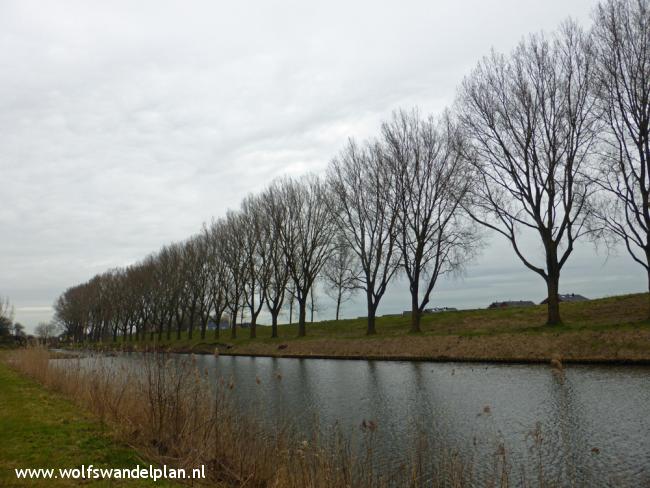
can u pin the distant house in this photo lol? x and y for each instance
(426, 311)
(568, 297)
(440, 309)
(512, 304)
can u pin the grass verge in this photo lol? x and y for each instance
(40, 429)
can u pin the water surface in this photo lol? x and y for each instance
(590, 425)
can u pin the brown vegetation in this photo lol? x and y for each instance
(173, 416)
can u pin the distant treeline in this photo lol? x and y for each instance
(551, 141)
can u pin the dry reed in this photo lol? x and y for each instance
(170, 412)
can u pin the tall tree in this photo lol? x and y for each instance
(529, 119)
(169, 279)
(431, 181)
(220, 283)
(622, 43)
(6, 316)
(306, 231)
(366, 212)
(341, 274)
(46, 330)
(257, 267)
(234, 257)
(277, 276)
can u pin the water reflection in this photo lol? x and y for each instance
(593, 419)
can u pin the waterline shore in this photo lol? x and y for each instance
(626, 346)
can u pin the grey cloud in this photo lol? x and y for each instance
(125, 125)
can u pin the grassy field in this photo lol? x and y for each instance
(40, 429)
(608, 329)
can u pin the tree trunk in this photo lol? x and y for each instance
(648, 270)
(338, 304)
(553, 284)
(302, 318)
(233, 325)
(204, 326)
(372, 309)
(648, 292)
(179, 325)
(274, 324)
(253, 328)
(415, 310)
(371, 323)
(216, 330)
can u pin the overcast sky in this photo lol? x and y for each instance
(125, 125)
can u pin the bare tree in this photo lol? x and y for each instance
(142, 282)
(341, 272)
(529, 121)
(234, 257)
(220, 283)
(365, 209)
(6, 316)
(257, 265)
(306, 231)
(70, 311)
(131, 300)
(111, 298)
(277, 276)
(169, 279)
(46, 330)
(432, 179)
(622, 40)
(203, 280)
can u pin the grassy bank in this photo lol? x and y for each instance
(40, 429)
(613, 329)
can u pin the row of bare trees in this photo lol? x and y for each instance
(547, 144)
(386, 205)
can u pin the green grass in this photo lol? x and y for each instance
(625, 312)
(607, 329)
(39, 429)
